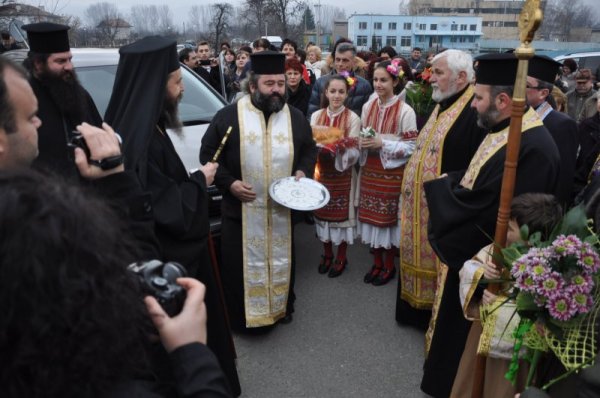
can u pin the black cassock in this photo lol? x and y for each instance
(563, 130)
(180, 203)
(461, 222)
(460, 144)
(229, 171)
(56, 130)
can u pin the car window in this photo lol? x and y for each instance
(98, 81)
(592, 63)
(199, 103)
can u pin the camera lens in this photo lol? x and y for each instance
(159, 282)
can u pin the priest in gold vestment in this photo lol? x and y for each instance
(268, 140)
(446, 143)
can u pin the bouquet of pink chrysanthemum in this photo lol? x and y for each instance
(556, 288)
(560, 277)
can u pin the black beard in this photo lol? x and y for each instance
(170, 114)
(67, 93)
(271, 103)
(487, 119)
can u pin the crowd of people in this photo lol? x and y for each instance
(75, 215)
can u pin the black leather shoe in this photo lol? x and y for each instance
(288, 318)
(337, 269)
(369, 276)
(384, 277)
(325, 264)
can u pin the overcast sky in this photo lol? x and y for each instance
(180, 8)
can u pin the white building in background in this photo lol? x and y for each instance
(403, 32)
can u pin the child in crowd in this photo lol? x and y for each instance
(336, 222)
(541, 213)
(382, 161)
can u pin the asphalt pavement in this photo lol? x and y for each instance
(343, 341)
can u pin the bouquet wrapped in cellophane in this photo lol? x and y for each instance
(555, 285)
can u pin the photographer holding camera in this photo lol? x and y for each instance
(208, 67)
(74, 322)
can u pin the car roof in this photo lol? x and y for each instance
(83, 57)
(578, 55)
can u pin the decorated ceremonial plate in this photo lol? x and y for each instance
(304, 194)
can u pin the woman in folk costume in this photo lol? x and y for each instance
(388, 140)
(336, 222)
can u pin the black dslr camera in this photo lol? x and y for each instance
(158, 279)
(77, 141)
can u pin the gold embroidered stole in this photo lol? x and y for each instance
(266, 154)
(491, 144)
(418, 262)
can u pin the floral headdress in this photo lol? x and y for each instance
(349, 79)
(395, 69)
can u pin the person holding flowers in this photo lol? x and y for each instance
(387, 141)
(336, 222)
(540, 213)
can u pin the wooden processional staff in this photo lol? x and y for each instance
(529, 21)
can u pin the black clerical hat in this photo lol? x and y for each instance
(496, 69)
(47, 37)
(543, 68)
(151, 47)
(268, 63)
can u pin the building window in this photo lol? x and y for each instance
(471, 39)
(435, 40)
(392, 26)
(377, 25)
(472, 28)
(377, 42)
(361, 40)
(407, 25)
(362, 25)
(452, 39)
(433, 26)
(405, 41)
(390, 41)
(462, 39)
(454, 27)
(463, 27)
(422, 26)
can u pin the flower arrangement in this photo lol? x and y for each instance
(395, 69)
(418, 95)
(559, 277)
(351, 80)
(556, 287)
(368, 132)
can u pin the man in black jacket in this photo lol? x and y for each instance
(563, 129)
(208, 67)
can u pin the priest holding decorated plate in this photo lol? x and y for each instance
(268, 141)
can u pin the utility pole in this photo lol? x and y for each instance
(318, 12)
